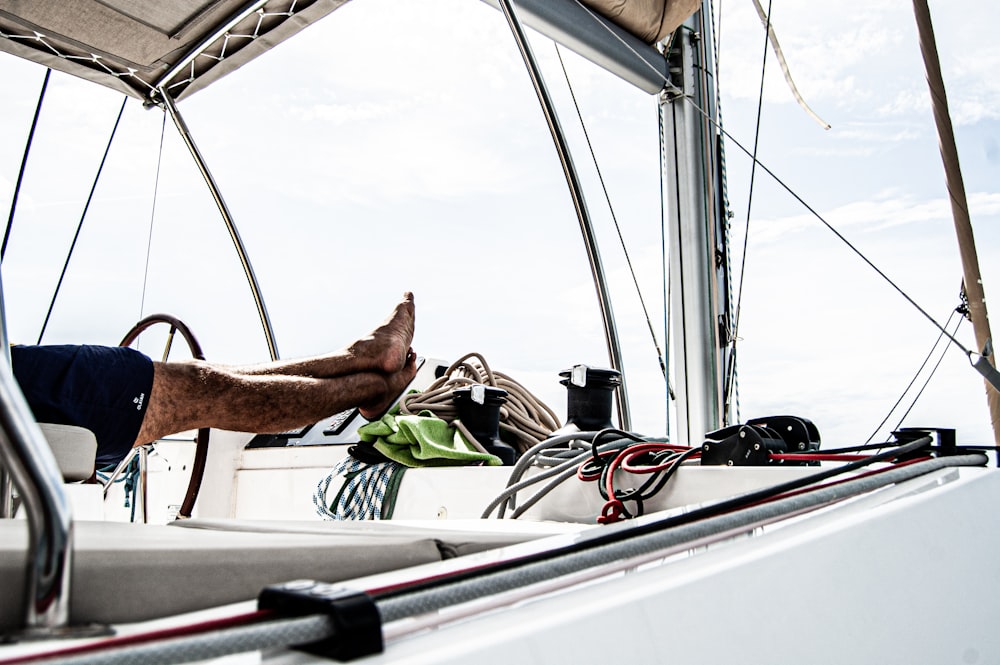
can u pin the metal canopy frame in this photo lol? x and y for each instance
(25, 456)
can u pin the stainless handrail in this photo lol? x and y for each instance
(227, 217)
(6, 494)
(6, 482)
(142, 483)
(26, 455)
(580, 205)
(27, 462)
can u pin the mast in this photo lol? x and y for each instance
(959, 204)
(697, 253)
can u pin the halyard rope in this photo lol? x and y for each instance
(523, 416)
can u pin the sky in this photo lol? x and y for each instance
(358, 168)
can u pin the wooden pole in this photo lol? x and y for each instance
(959, 204)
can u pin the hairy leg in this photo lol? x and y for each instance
(395, 383)
(385, 350)
(194, 394)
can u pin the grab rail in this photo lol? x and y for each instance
(28, 459)
(579, 204)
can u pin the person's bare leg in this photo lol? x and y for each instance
(395, 384)
(384, 350)
(194, 394)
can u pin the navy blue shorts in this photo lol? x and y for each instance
(102, 388)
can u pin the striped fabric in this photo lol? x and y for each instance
(367, 491)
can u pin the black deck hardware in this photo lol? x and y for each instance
(356, 619)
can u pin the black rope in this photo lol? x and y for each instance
(79, 226)
(24, 162)
(730, 375)
(840, 236)
(929, 377)
(916, 375)
(611, 210)
(781, 183)
(664, 267)
(731, 399)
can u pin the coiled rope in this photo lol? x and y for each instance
(367, 491)
(563, 457)
(524, 418)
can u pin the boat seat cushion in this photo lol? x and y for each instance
(75, 450)
(125, 572)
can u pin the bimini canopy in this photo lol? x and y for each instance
(139, 46)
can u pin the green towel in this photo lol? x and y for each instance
(422, 440)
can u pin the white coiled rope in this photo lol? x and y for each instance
(523, 416)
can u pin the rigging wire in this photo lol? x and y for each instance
(731, 370)
(914, 380)
(152, 217)
(611, 210)
(664, 268)
(79, 226)
(24, 162)
(664, 249)
(731, 399)
(781, 183)
(929, 377)
(716, 34)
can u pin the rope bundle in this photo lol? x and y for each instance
(367, 491)
(524, 419)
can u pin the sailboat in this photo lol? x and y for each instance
(833, 560)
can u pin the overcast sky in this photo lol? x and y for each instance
(398, 145)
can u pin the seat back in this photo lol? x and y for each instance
(74, 448)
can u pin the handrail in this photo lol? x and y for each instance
(580, 204)
(29, 464)
(6, 482)
(26, 455)
(213, 187)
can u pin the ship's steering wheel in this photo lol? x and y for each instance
(201, 449)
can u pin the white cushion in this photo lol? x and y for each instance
(75, 449)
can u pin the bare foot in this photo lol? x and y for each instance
(387, 346)
(395, 385)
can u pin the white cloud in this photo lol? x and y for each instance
(890, 209)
